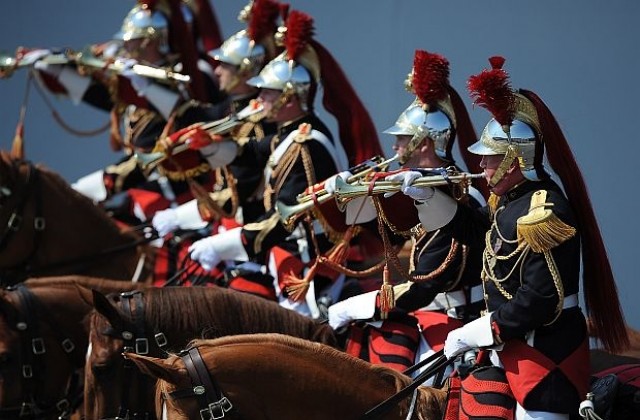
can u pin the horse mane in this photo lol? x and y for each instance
(96, 283)
(234, 313)
(217, 312)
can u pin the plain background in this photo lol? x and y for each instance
(582, 58)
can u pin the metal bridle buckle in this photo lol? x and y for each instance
(14, 222)
(142, 346)
(216, 410)
(37, 345)
(68, 346)
(27, 371)
(39, 223)
(161, 339)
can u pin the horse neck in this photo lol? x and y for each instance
(242, 374)
(76, 231)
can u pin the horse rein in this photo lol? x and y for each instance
(33, 347)
(212, 403)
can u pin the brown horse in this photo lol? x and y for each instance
(164, 319)
(47, 228)
(43, 343)
(271, 376)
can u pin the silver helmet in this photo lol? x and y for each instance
(421, 123)
(297, 69)
(520, 140)
(239, 50)
(143, 22)
(431, 115)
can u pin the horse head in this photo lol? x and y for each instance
(38, 210)
(277, 376)
(113, 389)
(41, 354)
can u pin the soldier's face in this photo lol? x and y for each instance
(227, 75)
(512, 177)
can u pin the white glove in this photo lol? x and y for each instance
(204, 252)
(407, 178)
(165, 221)
(357, 307)
(330, 183)
(473, 335)
(33, 57)
(139, 83)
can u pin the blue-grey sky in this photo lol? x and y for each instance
(578, 56)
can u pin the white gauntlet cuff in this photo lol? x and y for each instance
(75, 84)
(188, 216)
(437, 211)
(219, 154)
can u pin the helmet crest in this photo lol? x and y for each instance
(262, 22)
(299, 32)
(491, 89)
(430, 77)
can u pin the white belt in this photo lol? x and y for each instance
(448, 300)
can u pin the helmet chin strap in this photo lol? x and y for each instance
(413, 144)
(510, 155)
(284, 97)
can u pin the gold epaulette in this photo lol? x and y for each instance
(304, 133)
(540, 228)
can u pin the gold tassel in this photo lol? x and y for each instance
(17, 148)
(297, 287)
(540, 228)
(546, 234)
(492, 202)
(387, 297)
(340, 251)
(208, 209)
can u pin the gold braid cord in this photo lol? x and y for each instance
(453, 252)
(280, 173)
(383, 217)
(490, 257)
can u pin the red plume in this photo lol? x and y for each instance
(263, 19)
(600, 291)
(299, 33)
(430, 79)
(491, 89)
(358, 134)
(207, 23)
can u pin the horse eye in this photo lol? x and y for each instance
(101, 370)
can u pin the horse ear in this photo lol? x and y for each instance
(155, 367)
(85, 294)
(107, 309)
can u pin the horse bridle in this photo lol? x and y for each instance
(135, 341)
(29, 311)
(212, 403)
(14, 222)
